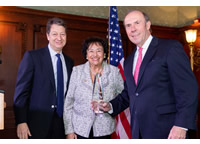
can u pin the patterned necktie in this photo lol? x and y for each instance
(137, 67)
(60, 87)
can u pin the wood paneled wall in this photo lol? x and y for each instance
(25, 29)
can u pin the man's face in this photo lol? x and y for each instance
(137, 29)
(57, 37)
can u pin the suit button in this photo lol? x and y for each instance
(137, 94)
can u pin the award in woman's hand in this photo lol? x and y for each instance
(97, 93)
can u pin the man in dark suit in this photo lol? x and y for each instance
(160, 87)
(35, 99)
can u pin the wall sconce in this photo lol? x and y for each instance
(196, 21)
(191, 36)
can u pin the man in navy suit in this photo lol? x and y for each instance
(35, 99)
(163, 100)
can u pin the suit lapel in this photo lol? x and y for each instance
(130, 68)
(87, 81)
(105, 75)
(69, 68)
(148, 56)
(48, 66)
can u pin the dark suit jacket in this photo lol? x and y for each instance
(35, 93)
(166, 94)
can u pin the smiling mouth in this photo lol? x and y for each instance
(135, 36)
(59, 42)
(95, 59)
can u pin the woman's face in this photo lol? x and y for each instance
(95, 54)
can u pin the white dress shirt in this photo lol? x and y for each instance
(144, 50)
(54, 59)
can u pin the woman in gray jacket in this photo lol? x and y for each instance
(79, 119)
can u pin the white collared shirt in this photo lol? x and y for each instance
(144, 50)
(54, 59)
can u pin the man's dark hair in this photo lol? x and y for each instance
(57, 21)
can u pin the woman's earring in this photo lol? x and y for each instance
(86, 58)
(104, 55)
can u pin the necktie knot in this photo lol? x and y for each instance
(58, 55)
(140, 50)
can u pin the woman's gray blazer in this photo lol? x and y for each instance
(78, 116)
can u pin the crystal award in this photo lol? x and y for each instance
(97, 93)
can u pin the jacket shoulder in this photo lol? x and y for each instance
(112, 68)
(69, 59)
(37, 51)
(168, 42)
(79, 68)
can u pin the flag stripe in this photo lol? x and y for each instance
(121, 71)
(121, 130)
(125, 124)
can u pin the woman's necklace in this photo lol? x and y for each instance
(99, 71)
(93, 73)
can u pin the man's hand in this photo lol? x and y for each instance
(177, 133)
(71, 136)
(105, 106)
(23, 131)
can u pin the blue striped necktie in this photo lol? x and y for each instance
(60, 87)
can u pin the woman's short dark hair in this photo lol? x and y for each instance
(94, 40)
(57, 21)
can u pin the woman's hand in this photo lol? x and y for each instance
(101, 105)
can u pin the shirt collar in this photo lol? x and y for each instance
(52, 52)
(147, 42)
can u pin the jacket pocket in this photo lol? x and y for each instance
(164, 109)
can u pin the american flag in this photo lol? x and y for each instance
(116, 58)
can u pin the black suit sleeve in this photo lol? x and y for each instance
(23, 88)
(185, 87)
(121, 102)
